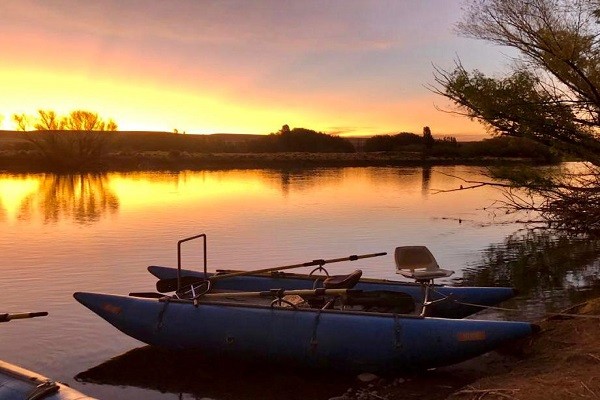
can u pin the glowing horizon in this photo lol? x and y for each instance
(353, 68)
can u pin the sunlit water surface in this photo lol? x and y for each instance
(61, 234)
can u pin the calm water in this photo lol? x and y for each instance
(60, 234)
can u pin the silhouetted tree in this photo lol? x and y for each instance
(75, 141)
(285, 129)
(451, 140)
(48, 121)
(22, 121)
(78, 120)
(392, 143)
(301, 140)
(380, 143)
(428, 139)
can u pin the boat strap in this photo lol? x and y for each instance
(313, 340)
(159, 323)
(397, 332)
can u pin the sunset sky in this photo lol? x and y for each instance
(337, 66)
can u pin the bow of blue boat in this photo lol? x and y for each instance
(358, 341)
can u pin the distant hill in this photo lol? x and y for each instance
(10, 137)
(162, 141)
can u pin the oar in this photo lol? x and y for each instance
(171, 284)
(264, 293)
(280, 293)
(5, 317)
(377, 300)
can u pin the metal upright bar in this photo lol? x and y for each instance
(202, 235)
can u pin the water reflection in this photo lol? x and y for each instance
(425, 180)
(190, 375)
(188, 372)
(81, 198)
(550, 270)
(3, 214)
(86, 198)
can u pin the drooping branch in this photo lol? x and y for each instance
(568, 202)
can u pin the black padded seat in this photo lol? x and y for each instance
(343, 281)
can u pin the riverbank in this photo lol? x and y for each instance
(29, 161)
(561, 362)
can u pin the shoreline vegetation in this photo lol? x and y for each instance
(560, 362)
(167, 161)
(100, 151)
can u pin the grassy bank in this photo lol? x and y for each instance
(29, 161)
(82, 151)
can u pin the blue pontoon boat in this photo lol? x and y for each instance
(267, 326)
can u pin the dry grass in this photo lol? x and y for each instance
(564, 363)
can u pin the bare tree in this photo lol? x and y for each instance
(76, 141)
(22, 121)
(48, 121)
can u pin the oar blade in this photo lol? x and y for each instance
(147, 295)
(170, 284)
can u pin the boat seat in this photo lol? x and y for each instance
(417, 262)
(343, 281)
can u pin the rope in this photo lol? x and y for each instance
(482, 306)
(573, 315)
(464, 303)
(547, 315)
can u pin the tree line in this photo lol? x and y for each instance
(82, 140)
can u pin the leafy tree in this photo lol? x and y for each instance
(407, 138)
(301, 140)
(551, 95)
(380, 143)
(285, 129)
(396, 142)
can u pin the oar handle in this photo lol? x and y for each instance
(5, 317)
(319, 262)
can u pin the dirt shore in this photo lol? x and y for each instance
(560, 362)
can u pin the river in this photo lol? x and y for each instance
(65, 233)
